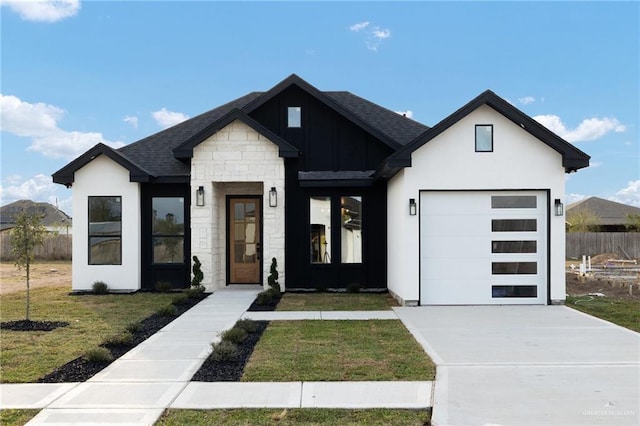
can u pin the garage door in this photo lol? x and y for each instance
(481, 247)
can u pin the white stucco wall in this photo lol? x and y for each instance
(449, 162)
(104, 177)
(236, 160)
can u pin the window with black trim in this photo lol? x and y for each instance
(168, 229)
(484, 137)
(294, 117)
(105, 230)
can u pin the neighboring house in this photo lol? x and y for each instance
(341, 191)
(610, 216)
(55, 221)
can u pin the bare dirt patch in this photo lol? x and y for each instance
(580, 286)
(42, 274)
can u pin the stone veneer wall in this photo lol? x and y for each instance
(236, 160)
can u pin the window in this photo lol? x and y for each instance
(514, 291)
(513, 202)
(320, 217)
(484, 137)
(514, 225)
(514, 268)
(168, 229)
(294, 117)
(351, 229)
(105, 230)
(514, 247)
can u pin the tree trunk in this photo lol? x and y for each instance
(28, 265)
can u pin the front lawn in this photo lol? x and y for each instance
(624, 312)
(302, 416)
(336, 302)
(337, 351)
(16, 417)
(27, 356)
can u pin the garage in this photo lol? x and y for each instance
(483, 247)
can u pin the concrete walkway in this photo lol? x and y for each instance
(528, 365)
(136, 388)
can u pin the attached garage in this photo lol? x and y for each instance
(483, 247)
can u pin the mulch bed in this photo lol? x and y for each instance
(80, 369)
(230, 371)
(28, 325)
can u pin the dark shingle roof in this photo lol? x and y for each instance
(50, 215)
(608, 212)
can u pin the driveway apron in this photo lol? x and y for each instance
(528, 365)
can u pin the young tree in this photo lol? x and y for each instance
(633, 223)
(25, 237)
(583, 221)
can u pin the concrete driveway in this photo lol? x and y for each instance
(528, 365)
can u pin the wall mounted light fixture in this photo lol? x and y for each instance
(273, 197)
(200, 196)
(559, 207)
(413, 209)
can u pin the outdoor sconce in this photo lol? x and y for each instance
(273, 197)
(200, 196)
(412, 207)
(559, 207)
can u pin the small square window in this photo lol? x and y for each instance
(484, 137)
(294, 117)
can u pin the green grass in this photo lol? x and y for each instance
(354, 350)
(623, 312)
(27, 356)
(16, 417)
(303, 416)
(336, 302)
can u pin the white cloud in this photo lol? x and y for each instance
(39, 187)
(39, 122)
(527, 100)
(408, 113)
(373, 34)
(359, 26)
(166, 118)
(131, 119)
(43, 10)
(629, 195)
(589, 129)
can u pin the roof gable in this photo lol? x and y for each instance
(185, 149)
(608, 212)
(572, 158)
(66, 174)
(50, 214)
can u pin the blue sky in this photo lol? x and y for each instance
(78, 73)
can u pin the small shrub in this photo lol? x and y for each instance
(267, 297)
(167, 311)
(198, 276)
(234, 335)
(224, 351)
(353, 288)
(123, 339)
(180, 299)
(98, 355)
(195, 292)
(100, 287)
(272, 279)
(134, 327)
(164, 286)
(248, 325)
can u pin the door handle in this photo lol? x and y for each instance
(258, 249)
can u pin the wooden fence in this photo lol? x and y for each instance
(55, 247)
(623, 244)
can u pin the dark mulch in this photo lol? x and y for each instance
(28, 325)
(80, 370)
(255, 307)
(230, 371)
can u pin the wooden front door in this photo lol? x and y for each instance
(244, 240)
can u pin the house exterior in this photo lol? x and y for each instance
(610, 216)
(54, 220)
(341, 191)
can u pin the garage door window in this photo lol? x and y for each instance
(514, 268)
(514, 291)
(513, 202)
(513, 247)
(514, 225)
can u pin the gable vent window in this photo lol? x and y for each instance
(294, 117)
(484, 137)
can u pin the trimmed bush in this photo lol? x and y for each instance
(180, 299)
(267, 297)
(195, 292)
(234, 335)
(164, 286)
(198, 276)
(123, 339)
(248, 325)
(167, 311)
(224, 351)
(272, 279)
(100, 287)
(98, 355)
(134, 327)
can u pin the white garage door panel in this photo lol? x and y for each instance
(456, 249)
